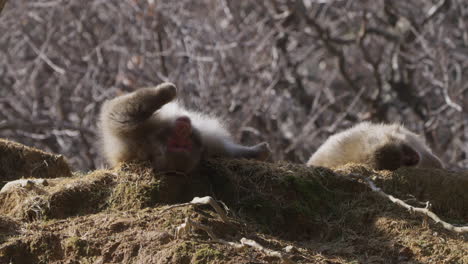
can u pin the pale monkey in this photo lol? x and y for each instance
(381, 146)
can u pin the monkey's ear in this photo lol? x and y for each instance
(410, 156)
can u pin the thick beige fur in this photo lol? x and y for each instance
(360, 143)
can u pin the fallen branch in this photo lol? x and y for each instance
(185, 228)
(207, 200)
(266, 251)
(425, 211)
(211, 234)
(188, 225)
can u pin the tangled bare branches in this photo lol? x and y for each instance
(290, 72)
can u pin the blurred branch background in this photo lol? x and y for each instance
(291, 72)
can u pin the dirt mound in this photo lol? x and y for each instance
(308, 215)
(19, 161)
(445, 190)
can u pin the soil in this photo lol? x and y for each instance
(19, 161)
(309, 215)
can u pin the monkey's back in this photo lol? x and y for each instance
(352, 145)
(363, 142)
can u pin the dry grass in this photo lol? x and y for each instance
(118, 216)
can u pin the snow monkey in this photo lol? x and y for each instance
(147, 125)
(381, 146)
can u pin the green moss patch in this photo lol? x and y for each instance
(207, 255)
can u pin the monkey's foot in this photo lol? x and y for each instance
(166, 92)
(263, 151)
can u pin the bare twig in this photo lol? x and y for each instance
(40, 53)
(2, 5)
(266, 251)
(188, 225)
(434, 10)
(424, 211)
(207, 200)
(185, 228)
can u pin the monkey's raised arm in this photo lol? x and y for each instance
(128, 112)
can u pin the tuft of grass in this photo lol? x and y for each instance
(206, 255)
(76, 245)
(137, 187)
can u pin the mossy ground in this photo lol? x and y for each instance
(117, 216)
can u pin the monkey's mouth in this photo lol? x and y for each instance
(179, 144)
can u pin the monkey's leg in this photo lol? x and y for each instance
(260, 151)
(127, 112)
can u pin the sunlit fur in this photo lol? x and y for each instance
(360, 144)
(136, 126)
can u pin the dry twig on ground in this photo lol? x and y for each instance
(188, 225)
(425, 211)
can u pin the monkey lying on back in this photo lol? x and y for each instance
(381, 146)
(146, 126)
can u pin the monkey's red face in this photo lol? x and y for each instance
(181, 140)
(184, 147)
